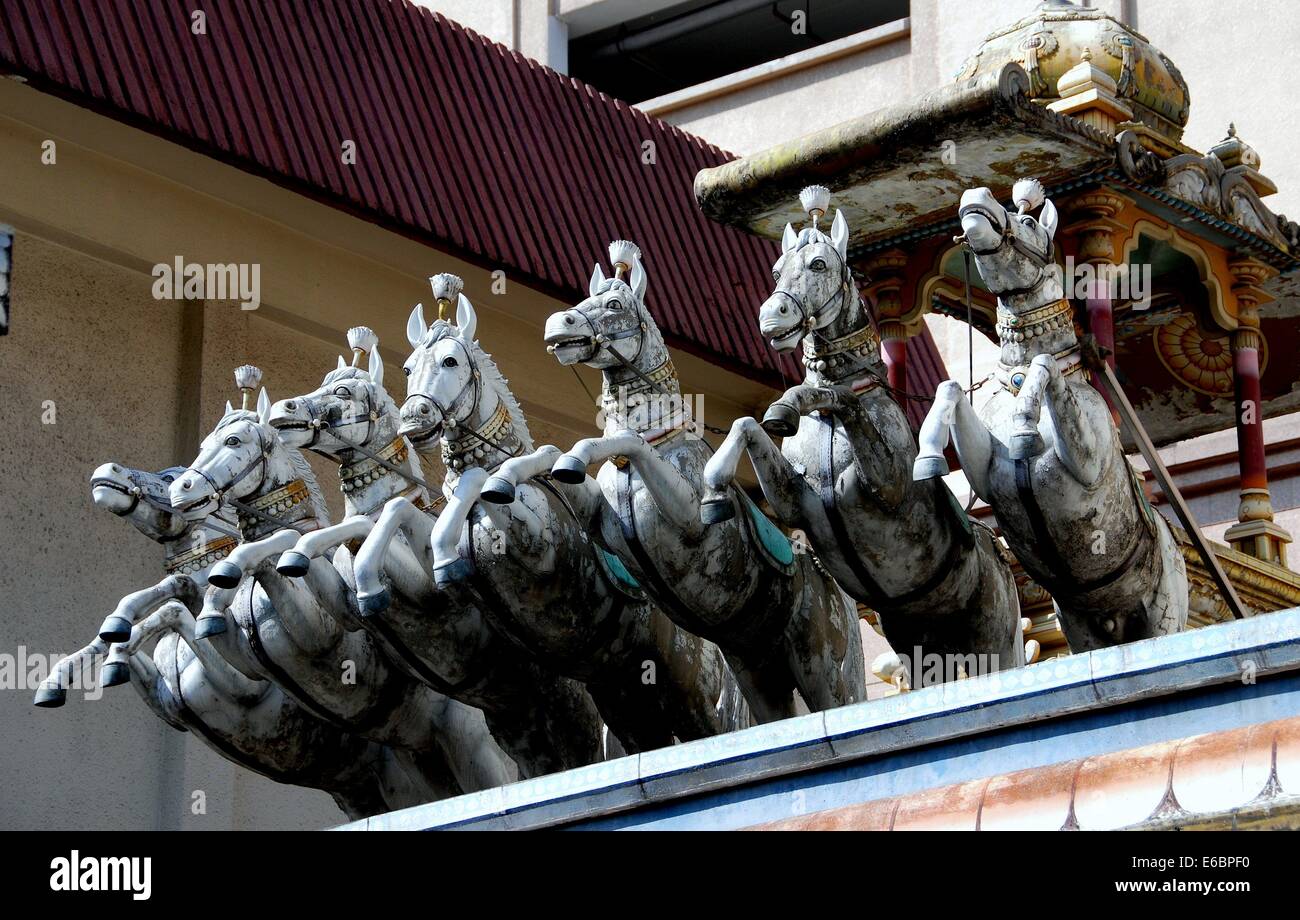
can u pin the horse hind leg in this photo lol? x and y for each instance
(769, 688)
(1166, 607)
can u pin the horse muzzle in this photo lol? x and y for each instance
(293, 421)
(569, 336)
(780, 322)
(111, 490)
(422, 422)
(192, 496)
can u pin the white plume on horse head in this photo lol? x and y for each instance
(625, 253)
(416, 327)
(1028, 195)
(446, 287)
(816, 201)
(362, 340)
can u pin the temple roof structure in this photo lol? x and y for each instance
(1073, 97)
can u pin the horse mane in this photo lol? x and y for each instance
(492, 376)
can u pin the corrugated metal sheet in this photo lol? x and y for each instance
(460, 142)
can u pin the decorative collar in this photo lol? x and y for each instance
(462, 450)
(289, 504)
(354, 476)
(1069, 361)
(201, 556)
(1057, 316)
(843, 357)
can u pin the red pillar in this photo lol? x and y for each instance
(895, 352)
(1101, 323)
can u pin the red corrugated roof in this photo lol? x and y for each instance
(460, 142)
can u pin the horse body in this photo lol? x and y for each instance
(545, 723)
(782, 622)
(306, 639)
(545, 585)
(248, 721)
(1065, 496)
(844, 475)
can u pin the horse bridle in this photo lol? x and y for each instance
(808, 319)
(603, 340)
(1008, 237)
(448, 412)
(318, 424)
(219, 492)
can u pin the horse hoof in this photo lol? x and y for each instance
(452, 572)
(781, 420)
(1024, 444)
(569, 470)
(115, 629)
(717, 511)
(498, 491)
(114, 674)
(225, 574)
(371, 604)
(293, 564)
(50, 697)
(929, 468)
(209, 626)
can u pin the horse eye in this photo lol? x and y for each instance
(776, 275)
(406, 371)
(818, 265)
(343, 393)
(614, 304)
(449, 361)
(232, 441)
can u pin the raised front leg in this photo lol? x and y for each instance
(792, 499)
(1079, 437)
(246, 557)
(295, 562)
(500, 487)
(445, 540)
(673, 494)
(952, 416)
(74, 671)
(373, 560)
(135, 606)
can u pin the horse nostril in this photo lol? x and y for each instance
(568, 321)
(291, 405)
(187, 484)
(783, 309)
(424, 409)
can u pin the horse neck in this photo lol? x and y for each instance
(288, 492)
(1033, 324)
(496, 418)
(622, 382)
(847, 348)
(367, 484)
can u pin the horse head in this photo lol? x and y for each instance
(454, 391)
(242, 459)
(812, 277)
(140, 497)
(351, 406)
(611, 326)
(1014, 251)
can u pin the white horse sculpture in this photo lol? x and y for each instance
(1064, 494)
(781, 621)
(569, 603)
(305, 639)
(248, 721)
(544, 721)
(843, 474)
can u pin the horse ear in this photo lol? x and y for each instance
(416, 327)
(263, 407)
(229, 407)
(342, 363)
(840, 234)
(376, 368)
(597, 279)
(466, 318)
(638, 279)
(789, 239)
(1049, 218)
